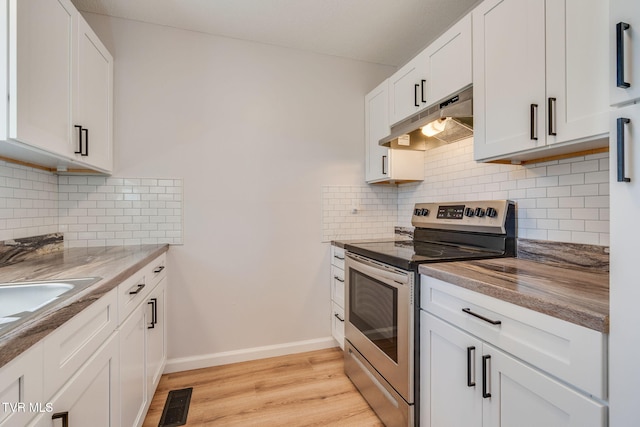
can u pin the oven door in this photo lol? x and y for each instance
(379, 319)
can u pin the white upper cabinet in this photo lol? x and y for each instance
(94, 111)
(385, 165)
(438, 71)
(449, 62)
(625, 51)
(376, 110)
(40, 69)
(539, 77)
(407, 89)
(59, 87)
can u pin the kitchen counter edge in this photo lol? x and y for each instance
(113, 264)
(579, 297)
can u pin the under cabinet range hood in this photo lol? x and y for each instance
(445, 122)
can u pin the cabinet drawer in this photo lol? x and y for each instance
(131, 293)
(570, 352)
(21, 384)
(337, 256)
(156, 270)
(337, 324)
(73, 343)
(337, 285)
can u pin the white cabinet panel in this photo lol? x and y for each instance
(539, 69)
(407, 89)
(133, 377)
(156, 335)
(376, 110)
(20, 387)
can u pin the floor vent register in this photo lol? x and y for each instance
(176, 408)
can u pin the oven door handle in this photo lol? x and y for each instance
(376, 270)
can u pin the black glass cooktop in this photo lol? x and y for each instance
(408, 254)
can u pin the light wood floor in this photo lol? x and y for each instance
(307, 389)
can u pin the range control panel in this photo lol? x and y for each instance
(485, 216)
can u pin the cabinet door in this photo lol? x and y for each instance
(21, 386)
(407, 89)
(376, 120)
(508, 76)
(133, 377)
(627, 12)
(450, 380)
(156, 336)
(90, 397)
(624, 341)
(577, 70)
(449, 62)
(94, 109)
(40, 92)
(524, 397)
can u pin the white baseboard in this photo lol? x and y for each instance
(255, 353)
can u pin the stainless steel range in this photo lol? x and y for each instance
(382, 296)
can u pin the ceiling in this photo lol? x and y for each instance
(386, 32)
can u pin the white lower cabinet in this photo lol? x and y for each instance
(90, 397)
(132, 368)
(467, 382)
(20, 387)
(524, 370)
(156, 337)
(337, 294)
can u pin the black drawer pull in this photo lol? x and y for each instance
(137, 290)
(64, 416)
(341, 258)
(479, 316)
(338, 279)
(337, 316)
(158, 269)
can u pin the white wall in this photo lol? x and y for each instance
(254, 131)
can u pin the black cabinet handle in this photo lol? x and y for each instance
(486, 376)
(79, 139)
(154, 313)
(86, 142)
(422, 82)
(622, 121)
(64, 416)
(415, 95)
(471, 367)
(158, 269)
(138, 288)
(534, 121)
(552, 116)
(341, 258)
(479, 316)
(338, 279)
(384, 172)
(337, 316)
(621, 27)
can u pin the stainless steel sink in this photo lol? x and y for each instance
(20, 301)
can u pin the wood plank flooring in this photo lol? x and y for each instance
(306, 389)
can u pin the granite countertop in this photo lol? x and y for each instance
(577, 296)
(113, 264)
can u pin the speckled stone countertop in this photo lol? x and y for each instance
(113, 264)
(575, 295)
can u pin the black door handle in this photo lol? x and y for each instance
(61, 415)
(86, 142)
(79, 139)
(422, 82)
(621, 122)
(486, 377)
(534, 121)
(470, 366)
(621, 27)
(415, 95)
(551, 111)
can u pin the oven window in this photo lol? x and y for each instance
(373, 309)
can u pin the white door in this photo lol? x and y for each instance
(508, 76)
(524, 397)
(90, 398)
(450, 378)
(449, 62)
(407, 89)
(626, 86)
(156, 336)
(624, 341)
(94, 108)
(376, 110)
(577, 69)
(40, 73)
(133, 377)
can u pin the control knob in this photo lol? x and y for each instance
(491, 212)
(468, 212)
(425, 212)
(479, 212)
(417, 211)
